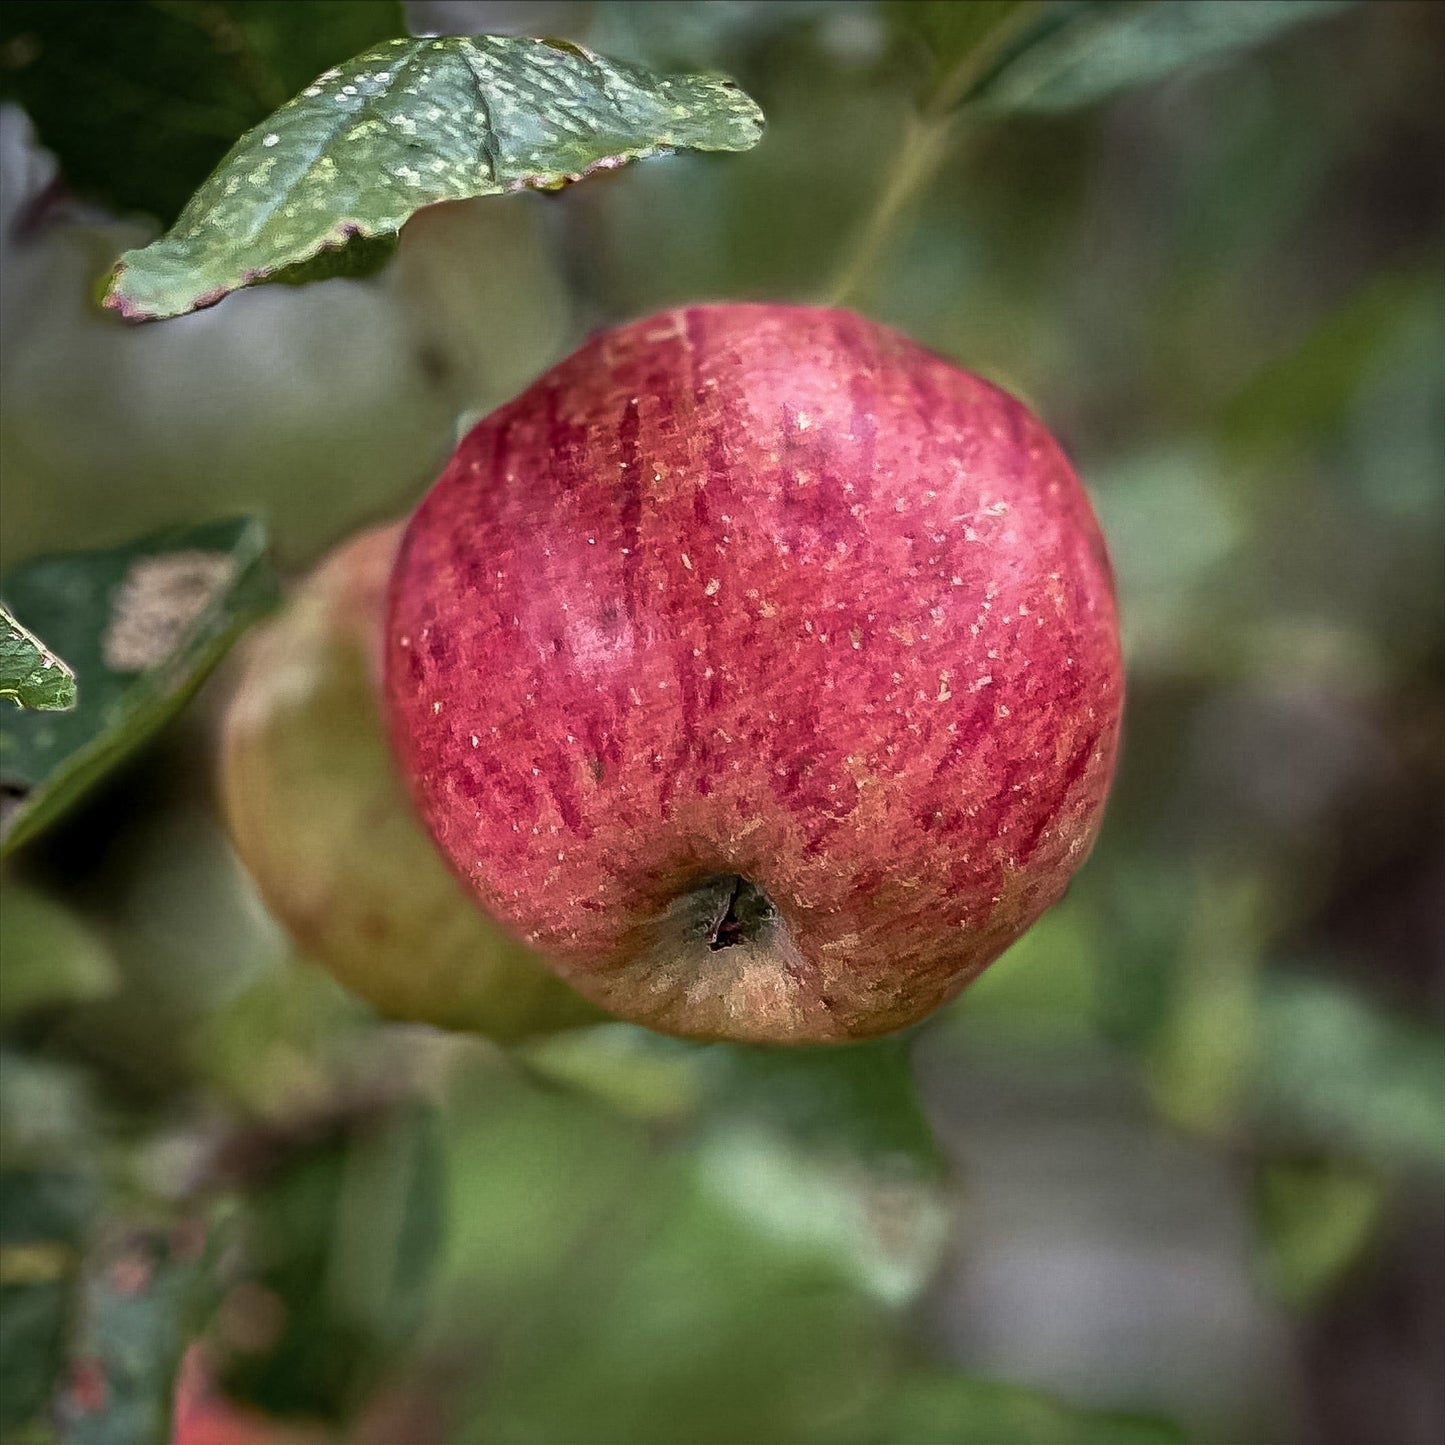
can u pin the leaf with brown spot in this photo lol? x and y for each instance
(142, 625)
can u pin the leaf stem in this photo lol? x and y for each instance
(925, 143)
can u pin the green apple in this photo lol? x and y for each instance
(323, 822)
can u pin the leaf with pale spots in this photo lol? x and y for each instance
(30, 674)
(327, 182)
(142, 625)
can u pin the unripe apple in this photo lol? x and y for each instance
(761, 669)
(321, 818)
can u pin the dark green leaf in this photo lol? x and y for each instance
(142, 625)
(30, 673)
(42, 1214)
(407, 124)
(961, 39)
(345, 1232)
(140, 101)
(1056, 56)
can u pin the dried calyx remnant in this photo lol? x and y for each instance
(744, 912)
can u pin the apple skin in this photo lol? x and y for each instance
(761, 669)
(320, 816)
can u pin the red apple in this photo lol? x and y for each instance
(761, 669)
(321, 818)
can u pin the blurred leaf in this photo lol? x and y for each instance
(944, 1409)
(1045, 989)
(885, 1232)
(1315, 1220)
(531, 1173)
(963, 39)
(825, 1152)
(1307, 395)
(48, 956)
(1199, 1068)
(44, 1113)
(30, 674)
(856, 1100)
(1334, 1069)
(43, 1213)
(329, 179)
(138, 1296)
(142, 624)
(636, 1072)
(141, 101)
(1076, 52)
(830, 1152)
(341, 1239)
(276, 1049)
(680, 1324)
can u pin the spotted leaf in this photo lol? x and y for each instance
(325, 184)
(142, 625)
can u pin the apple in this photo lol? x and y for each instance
(322, 820)
(760, 669)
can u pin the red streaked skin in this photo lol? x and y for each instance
(762, 593)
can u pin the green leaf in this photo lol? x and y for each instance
(962, 40)
(142, 625)
(1315, 1220)
(139, 102)
(1073, 53)
(42, 1215)
(136, 1304)
(826, 1154)
(952, 1409)
(48, 957)
(333, 175)
(30, 674)
(345, 1230)
(1336, 1071)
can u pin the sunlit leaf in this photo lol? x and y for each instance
(142, 625)
(30, 674)
(325, 184)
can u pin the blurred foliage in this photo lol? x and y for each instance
(1179, 1154)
